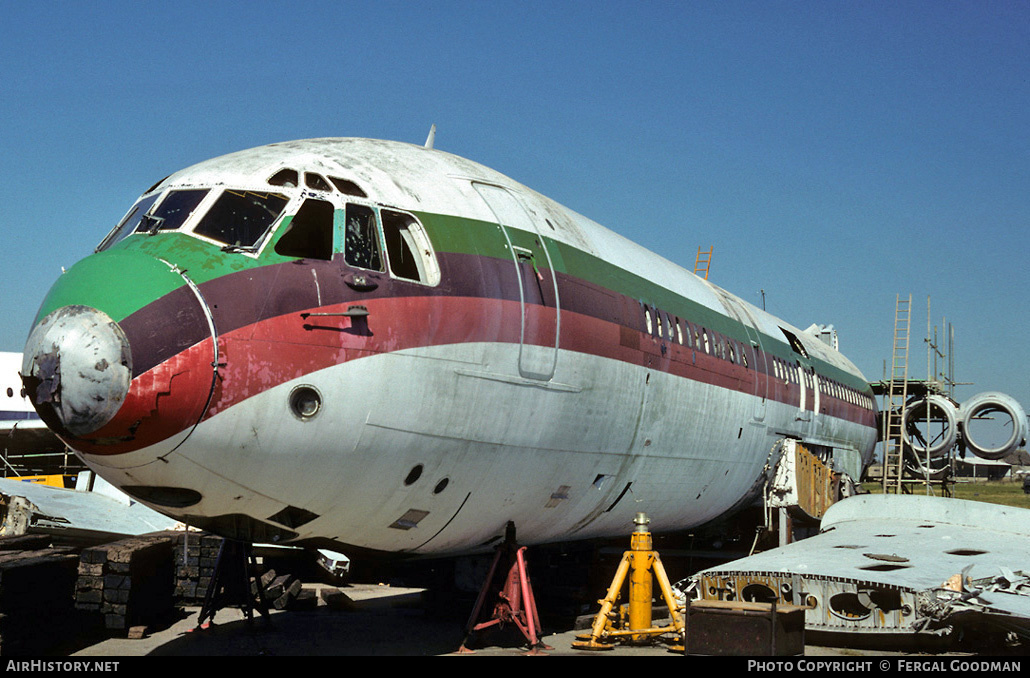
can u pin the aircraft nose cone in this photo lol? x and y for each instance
(77, 369)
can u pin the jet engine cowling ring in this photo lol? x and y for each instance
(930, 411)
(934, 468)
(987, 403)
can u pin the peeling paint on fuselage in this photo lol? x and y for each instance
(432, 380)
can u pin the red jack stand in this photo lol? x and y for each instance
(515, 600)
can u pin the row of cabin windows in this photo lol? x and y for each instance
(366, 234)
(671, 328)
(789, 373)
(666, 326)
(845, 393)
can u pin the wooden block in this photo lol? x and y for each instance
(25, 542)
(267, 578)
(91, 569)
(305, 600)
(336, 599)
(88, 583)
(116, 595)
(188, 572)
(290, 592)
(89, 598)
(117, 581)
(277, 587)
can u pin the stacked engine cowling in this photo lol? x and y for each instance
(984, 407)
(991, 425)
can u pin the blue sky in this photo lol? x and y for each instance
(834, 154)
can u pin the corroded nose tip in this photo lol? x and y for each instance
(77, 369)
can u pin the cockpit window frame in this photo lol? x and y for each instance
(254, 250)
(339, 191)
(380, 244)
(158, 224)
(420, 243)
(112, 237)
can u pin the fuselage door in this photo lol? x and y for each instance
(810, 389)
(538, 290)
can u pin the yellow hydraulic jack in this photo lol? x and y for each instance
(637, 628)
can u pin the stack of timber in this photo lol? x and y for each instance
(36, 587)
(284, 592)
(129, 581)
(196, 554)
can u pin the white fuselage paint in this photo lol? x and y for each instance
(552, 457)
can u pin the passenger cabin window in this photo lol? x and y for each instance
(310, 233)
(241, 218)
(172, 212)
(408, 249)
(361, 241)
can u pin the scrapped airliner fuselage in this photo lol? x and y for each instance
(385, 346)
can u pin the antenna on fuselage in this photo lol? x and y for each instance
(432, 137)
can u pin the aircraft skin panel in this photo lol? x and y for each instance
(661, 382)
(299, 295)
(665, 285)
(411, 178)
(285, 347)
(685, 470)
(14, 406)
(164, 324)
(435, 182)
(919, 564)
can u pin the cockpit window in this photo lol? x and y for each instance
(171, 212)
(347, 187)
(285, 177)
(310, 233)
(408, 249)
(128, 223)
(317, 182)
(241, 218)
(361, 240)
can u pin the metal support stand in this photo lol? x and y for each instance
(515, 600)
(638, 563)
(230, 585)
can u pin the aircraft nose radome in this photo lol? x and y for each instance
(77, 369)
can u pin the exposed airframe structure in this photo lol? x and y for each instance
(896, 565)
(94, 512)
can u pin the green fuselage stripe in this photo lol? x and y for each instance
(89, 281)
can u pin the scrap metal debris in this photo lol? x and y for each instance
(896, 565)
